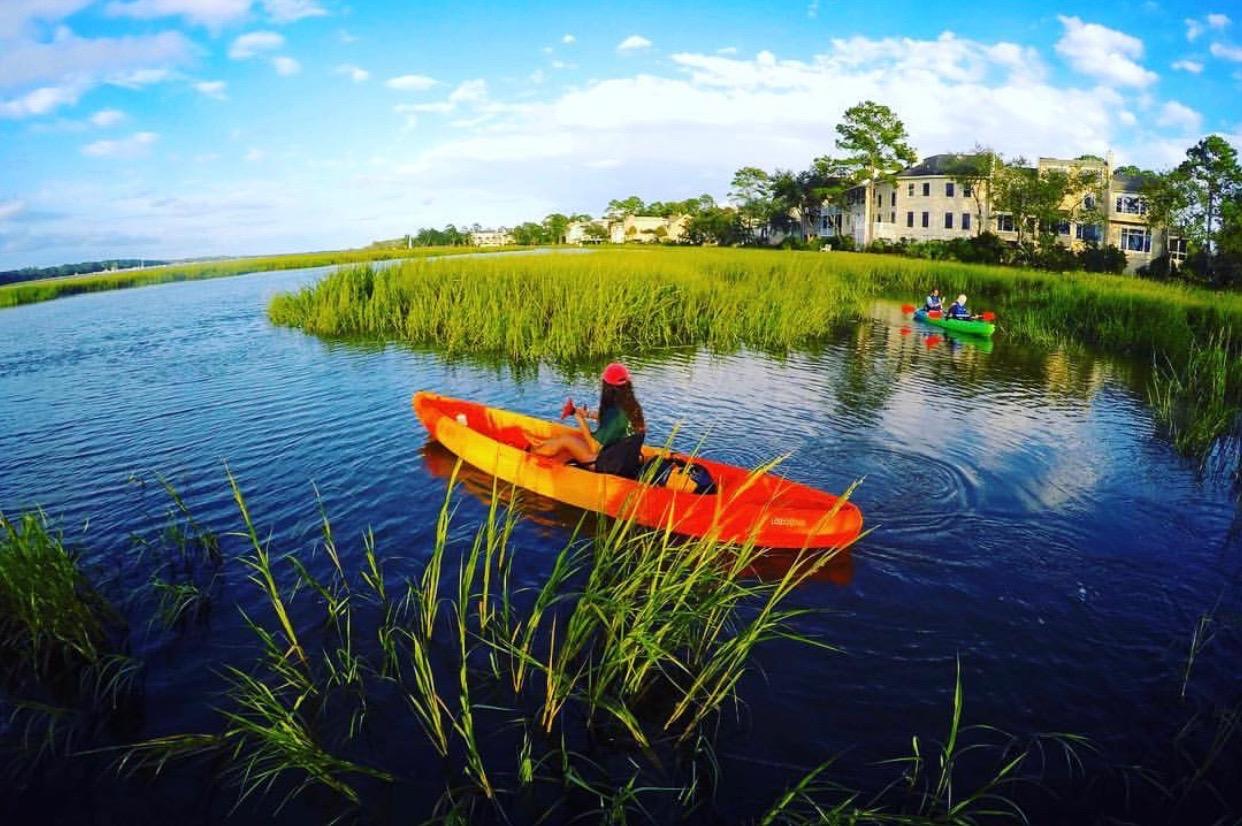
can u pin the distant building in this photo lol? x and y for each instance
(579, 232)
(925, 203)
(491, 237)
(648, 229)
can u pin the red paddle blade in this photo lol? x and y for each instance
(568, 408)
(932, 341)
(933, 314)
(907, 308)
(988, 316)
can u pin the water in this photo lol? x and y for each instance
(1027, 518)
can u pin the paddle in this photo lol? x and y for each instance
(568, 408)
(988, 316)
(907, 308)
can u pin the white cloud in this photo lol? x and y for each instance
(88, 60)
(254, 155)
(1217, 21)
(39, 101)
(470, 91)
(1193, 29)
(136, 144)
(286, 66)
(287, 11)
(211, 13)
(138, 78)
(355, 73)
(213, 89)
(536, 77)
(345, 37)
(10, 208)
(1177, 115)
(107, 117)
(568, 39)
(727, 50)
(410, 83)
(1192, 66)
(17, 15)
(252, 43)
(812, 9)
(1106, 54)
(633, 43)
(1224, 52)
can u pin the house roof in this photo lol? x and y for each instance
(934, 165)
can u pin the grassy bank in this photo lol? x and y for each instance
(617, 301)
(30, 292)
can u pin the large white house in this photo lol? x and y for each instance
(491, 237)
(926, 203)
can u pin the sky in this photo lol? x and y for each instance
(183, 128)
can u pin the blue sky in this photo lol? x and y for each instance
(175, 128)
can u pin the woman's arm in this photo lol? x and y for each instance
(585, 429)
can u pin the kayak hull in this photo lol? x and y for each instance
(767, 509)
(973, 328)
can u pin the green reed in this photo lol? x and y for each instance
(1199, 398)
(46, 289)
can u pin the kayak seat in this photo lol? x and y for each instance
(677, 474)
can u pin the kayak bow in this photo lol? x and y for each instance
(774, 511)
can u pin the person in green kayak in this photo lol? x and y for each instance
(614, 446)
(957, 310)
(933, 303)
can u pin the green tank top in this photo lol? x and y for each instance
(614, 426)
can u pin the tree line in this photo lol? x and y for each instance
(81, 268)
(1198, 201)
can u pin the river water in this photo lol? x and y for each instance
(1027, 518)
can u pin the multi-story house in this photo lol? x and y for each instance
(579, 232)
(927, 203)
(647, 228)
(491, 237)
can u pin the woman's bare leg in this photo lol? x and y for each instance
(565, 447)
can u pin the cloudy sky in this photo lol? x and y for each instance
(174, 128)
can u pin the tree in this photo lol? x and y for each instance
(1212, 175)
(556, 225)
(752, 192)
(1040, 200)
(716, 225)
(620, 208)
(529, 234)
(876, 146)
(1167, 198)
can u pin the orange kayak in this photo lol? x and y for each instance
(773, 511)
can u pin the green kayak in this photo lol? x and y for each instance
(974, 328)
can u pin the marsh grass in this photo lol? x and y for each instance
(30, 292)
(582, 310)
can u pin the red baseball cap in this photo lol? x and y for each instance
(616, 373)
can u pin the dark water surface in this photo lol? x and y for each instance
(1026, 516)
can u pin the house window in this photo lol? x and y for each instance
(926, 218)
(879, 199)
(1177, 249)
(892, 217)
(966, 220)
(1063, 227)
(1004, 222)
(926, 189)
(893, 200)
(1087, 232)
(910, 217)
(948, 189)
(967, 191)
(1135, 239)
(1131, 205)
(1088, 202)
(948, 220)
(910, 190)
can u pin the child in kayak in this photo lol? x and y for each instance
(958, 311)
(620, 420)
(933, 303)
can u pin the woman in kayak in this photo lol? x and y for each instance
(934, 303)
(958, 311)
(620, 420)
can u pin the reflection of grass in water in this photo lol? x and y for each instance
(581, 311)
(30, 292)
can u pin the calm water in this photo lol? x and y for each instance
(1027, 517)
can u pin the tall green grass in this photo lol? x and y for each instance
(30, 292)
(573, 310)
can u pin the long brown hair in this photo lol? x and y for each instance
(622, 396)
